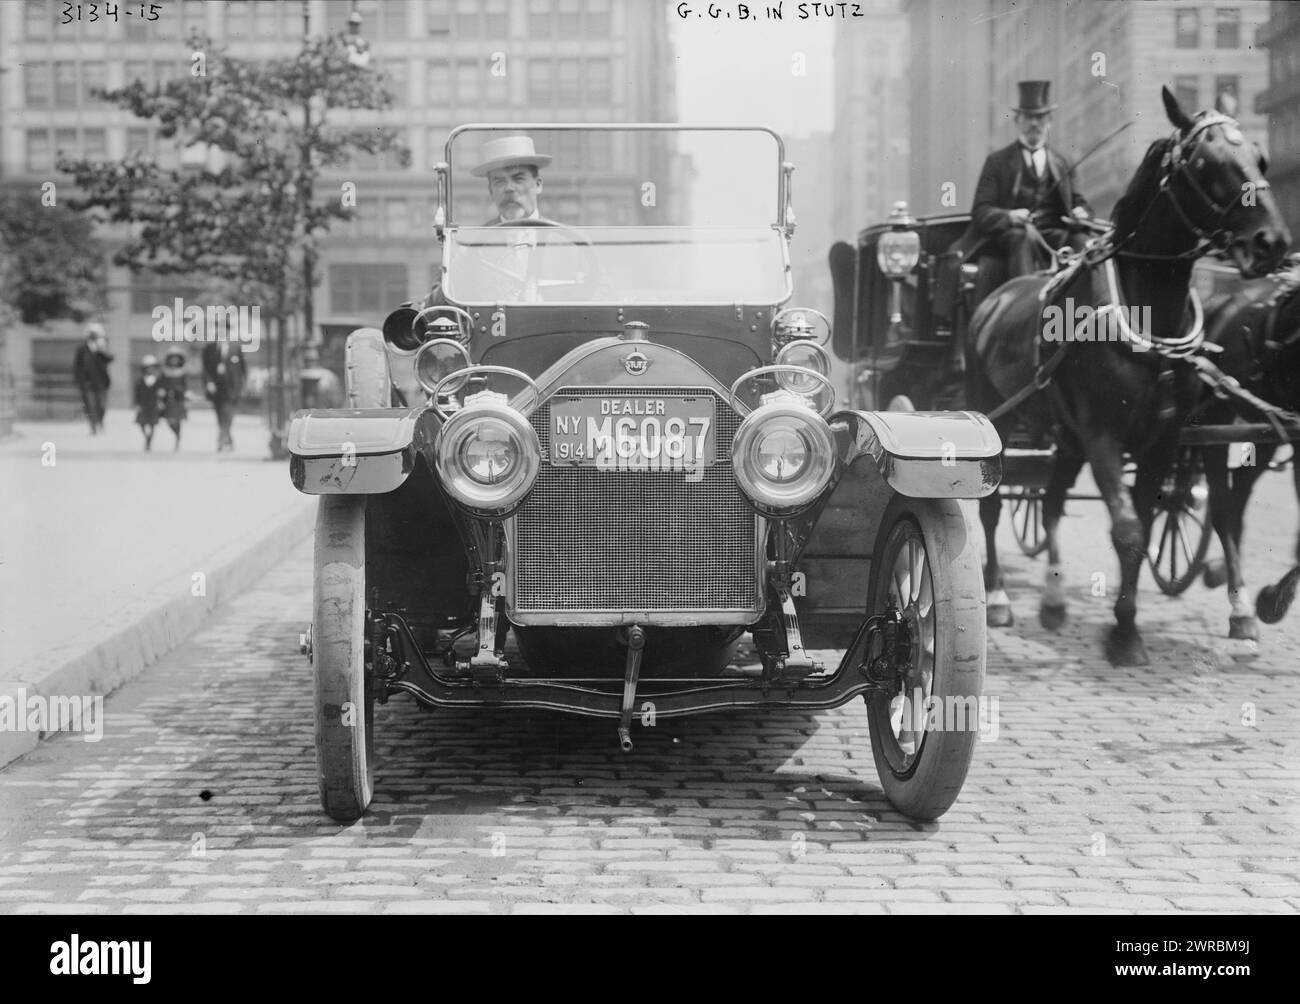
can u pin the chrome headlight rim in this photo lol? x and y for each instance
(787, 378)
(483, 498)
(447, 387)
(787, 496)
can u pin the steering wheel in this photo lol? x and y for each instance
(593, 277)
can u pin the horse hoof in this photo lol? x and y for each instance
(1274, 601)
(1125, 649)
(1051, 617)
(1215, 574)
(1000, 616)
(1244, 627)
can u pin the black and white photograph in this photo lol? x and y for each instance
(627, 457)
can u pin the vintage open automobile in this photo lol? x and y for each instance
(600, 469)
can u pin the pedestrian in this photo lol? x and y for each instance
(175, 393)
(90, 370)
(223, 382)
(148, 398)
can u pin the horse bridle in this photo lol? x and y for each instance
(1177, 163)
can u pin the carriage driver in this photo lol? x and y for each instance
(1025, 183)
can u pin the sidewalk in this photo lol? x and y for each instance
(113, 556)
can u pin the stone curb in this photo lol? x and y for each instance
(157, 627)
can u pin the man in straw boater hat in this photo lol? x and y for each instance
(1026, 189)
(512, 166)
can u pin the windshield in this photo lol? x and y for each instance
(655, 214)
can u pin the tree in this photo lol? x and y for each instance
(50, 265)
(248, 219)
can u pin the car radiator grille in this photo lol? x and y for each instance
(590, 539)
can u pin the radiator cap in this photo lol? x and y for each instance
(635, 331)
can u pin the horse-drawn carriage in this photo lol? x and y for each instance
(923, 325)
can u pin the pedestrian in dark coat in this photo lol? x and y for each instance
(223, 382)
(148, 398)
(175, 393)
(90, 371)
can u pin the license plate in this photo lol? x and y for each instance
(633, 433)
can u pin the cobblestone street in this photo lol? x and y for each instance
(1103, 789)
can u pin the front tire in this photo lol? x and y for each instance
(344, 689)
(926, 564)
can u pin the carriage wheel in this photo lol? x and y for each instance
(1027, 521)
(926, 568)
(1181, 529)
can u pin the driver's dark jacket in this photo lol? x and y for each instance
(1005, 184)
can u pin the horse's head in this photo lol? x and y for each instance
(1215, 180)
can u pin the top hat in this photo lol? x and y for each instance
(1034, 97)
(175, 354)
(506, 151)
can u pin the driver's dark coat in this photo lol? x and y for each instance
(1004, 186)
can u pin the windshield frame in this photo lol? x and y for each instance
(444, 195)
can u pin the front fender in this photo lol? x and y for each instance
(351, 451)
(925, 454)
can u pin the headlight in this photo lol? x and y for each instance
(807, 354)
(487, 457)
(783, 456)
(438, 358)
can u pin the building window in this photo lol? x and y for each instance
(237, 20)
(93, 78)
(540, 81)
(398, 80)
(386, 19)
(94, 145)
(137, 69)
(65, 142)
(37, 21)
(496, 19)
(65, 84)
(539, 18)
(467, 17)
(137, 142)
(468, 76)
(437, 17)
(367, 222)
(1188, 93)
(36, 84)
(397, 218)
(1229, 84)
(148, 292)
(568, 91)
(365, 289)
(597, 18)
(39, 155)
(1227, 28)
(598, 81)
(437, 82)
(568, 20)
(600, 151)
(1187, 29)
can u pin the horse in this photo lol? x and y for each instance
(1258, 330)
(1122, 390)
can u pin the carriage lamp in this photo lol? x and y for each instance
(487, 456)
(783, 455)
(897, 252)
(439, 357)
(808, 355)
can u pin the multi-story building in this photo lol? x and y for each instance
(1281, 103)
(871, 153)
(449, 61)
(947, 77)
(1107, 63)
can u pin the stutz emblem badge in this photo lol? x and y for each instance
(636, 363)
